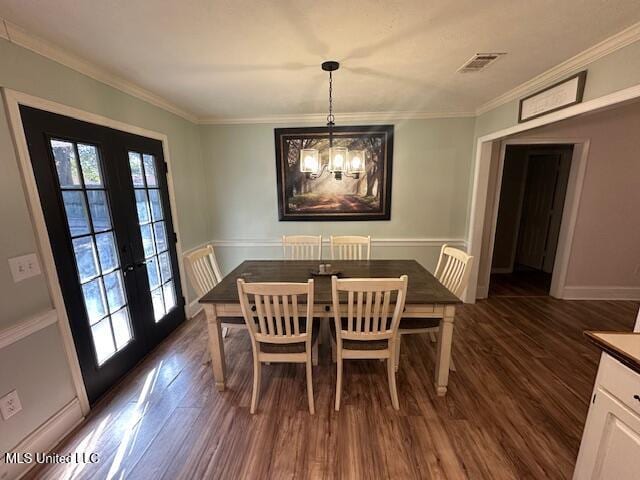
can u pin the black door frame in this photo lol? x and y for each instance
(45, 240)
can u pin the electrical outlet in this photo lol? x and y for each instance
(24, 267)
(10, 404)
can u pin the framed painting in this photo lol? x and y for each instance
(349, 181)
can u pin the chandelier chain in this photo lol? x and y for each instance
(330, 117)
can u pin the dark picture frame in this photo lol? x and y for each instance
(365, 198)
(582, 80)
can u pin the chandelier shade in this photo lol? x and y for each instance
(338, 162)
(356, 162)
(310, 161)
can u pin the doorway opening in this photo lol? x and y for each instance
(530, 211)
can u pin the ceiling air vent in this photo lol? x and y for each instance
(479, 62)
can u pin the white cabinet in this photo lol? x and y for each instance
(610, 446)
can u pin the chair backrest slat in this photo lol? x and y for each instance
(302, 247)
(202, 269)
(275, 318)
(453, 270)
(350, 247)
(371, 300)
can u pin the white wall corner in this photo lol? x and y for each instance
(44, 438)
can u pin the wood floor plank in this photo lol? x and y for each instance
(515, 408)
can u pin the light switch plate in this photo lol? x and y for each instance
(10, 404)
(24, 267)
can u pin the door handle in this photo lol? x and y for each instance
(132, 266)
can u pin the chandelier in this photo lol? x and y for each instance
(342, 161)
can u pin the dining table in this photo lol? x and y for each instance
(426, 298)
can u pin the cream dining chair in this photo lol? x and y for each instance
(350, 247)
(279, 333)
(366, 327)
(453, 270)
(204, 273)
(302, 247)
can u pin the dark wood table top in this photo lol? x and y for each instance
(423, 287)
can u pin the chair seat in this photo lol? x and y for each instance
(290, 347)
(358, 344)
(418, 323)
(232, 320)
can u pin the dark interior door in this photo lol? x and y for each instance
(537, 208)
(105, 200)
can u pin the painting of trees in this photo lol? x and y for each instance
(325, 195)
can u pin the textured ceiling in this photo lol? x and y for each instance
(240, 58)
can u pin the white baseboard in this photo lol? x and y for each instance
(194, 308)
(44, 438)
(601, 293)
(482, 291)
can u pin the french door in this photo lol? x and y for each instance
(106, 206)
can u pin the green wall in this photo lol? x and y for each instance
(36, 365)
(431, 169)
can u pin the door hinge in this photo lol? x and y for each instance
(165, 166)
(594, 398)
(175, 237)
(184, 301)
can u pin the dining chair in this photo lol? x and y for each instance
(204, 273)
(302, 247)
(453, 270)
(279, 333)
(350, 247)
(367, 325)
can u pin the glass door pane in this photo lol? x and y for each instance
(153, 230)
(88, 220)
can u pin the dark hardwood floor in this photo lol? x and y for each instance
(520, 284)
(515, 407)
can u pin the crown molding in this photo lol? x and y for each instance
(615, 42)
(341, 117)
(18, 36)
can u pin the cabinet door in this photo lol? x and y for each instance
(611, 443)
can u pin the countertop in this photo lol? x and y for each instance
(623, 346)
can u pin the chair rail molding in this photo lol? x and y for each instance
(380, 242)
(29, 326)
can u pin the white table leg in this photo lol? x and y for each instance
(216, 346)
(443, 360)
